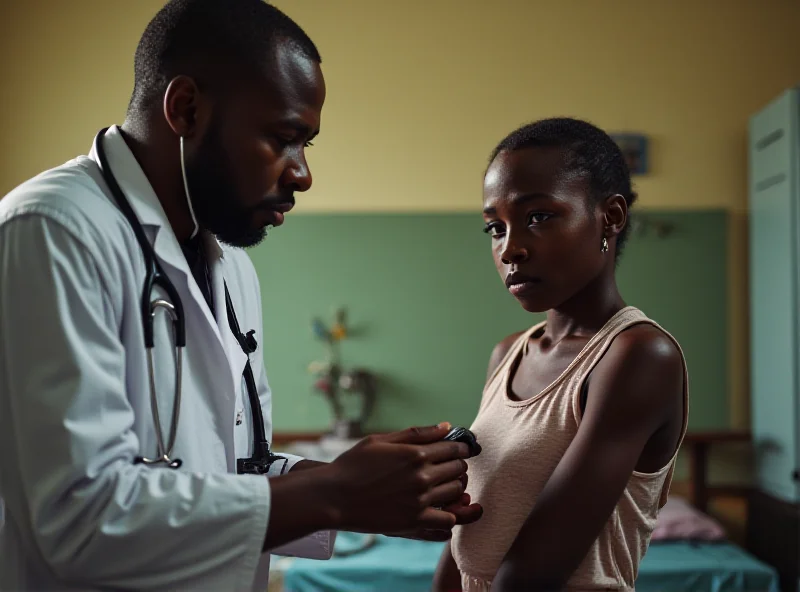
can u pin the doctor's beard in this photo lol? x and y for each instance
(213, 193)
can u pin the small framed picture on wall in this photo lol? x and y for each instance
(634, 148)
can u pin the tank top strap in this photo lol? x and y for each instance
(520, 344)
(495, 380)
(602, 341)
(597, 346)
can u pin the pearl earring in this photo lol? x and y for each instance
(604, 247)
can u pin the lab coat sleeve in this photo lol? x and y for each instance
(318, 545)
(97, 519)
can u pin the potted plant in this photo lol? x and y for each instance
(340, 386)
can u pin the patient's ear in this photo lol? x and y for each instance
(615, 215)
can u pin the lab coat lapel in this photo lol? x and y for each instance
(147, 206)
(235, 355)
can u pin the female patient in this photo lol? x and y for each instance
(581, 415)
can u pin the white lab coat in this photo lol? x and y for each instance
(75, 403)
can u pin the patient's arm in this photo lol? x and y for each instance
(447, 577)
(635, 399)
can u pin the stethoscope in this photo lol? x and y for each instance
(262, 457)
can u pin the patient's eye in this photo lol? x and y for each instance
(539, 217)
(494, 229)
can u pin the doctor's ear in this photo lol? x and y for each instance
(183, 106)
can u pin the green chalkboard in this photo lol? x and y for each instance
(427, 306)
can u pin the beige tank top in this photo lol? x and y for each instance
(522, 442)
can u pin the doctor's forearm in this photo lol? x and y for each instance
(307, 464)
(300, 505)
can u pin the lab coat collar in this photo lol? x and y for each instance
(145, 203)
(137, 189)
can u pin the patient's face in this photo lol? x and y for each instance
(545, 231)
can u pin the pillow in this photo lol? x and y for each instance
(679, 520)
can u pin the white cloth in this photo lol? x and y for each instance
(75, 400)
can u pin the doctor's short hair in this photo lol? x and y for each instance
(209, 38)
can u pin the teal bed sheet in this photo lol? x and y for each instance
(703, 567)
(399, 565)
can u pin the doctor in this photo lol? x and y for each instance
(109, 480)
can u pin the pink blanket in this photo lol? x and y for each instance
(678, 520)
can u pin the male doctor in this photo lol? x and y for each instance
(228, 95)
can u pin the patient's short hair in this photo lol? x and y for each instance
(589, 152)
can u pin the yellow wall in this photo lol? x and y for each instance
(419, 91)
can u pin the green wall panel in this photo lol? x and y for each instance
(427, 306)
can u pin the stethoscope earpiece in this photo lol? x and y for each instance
(186, 191)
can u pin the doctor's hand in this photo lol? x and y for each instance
(464, 511)
(404, 482)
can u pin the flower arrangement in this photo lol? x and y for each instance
(342, 387)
